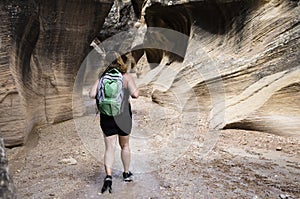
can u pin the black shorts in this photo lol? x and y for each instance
(118, 125)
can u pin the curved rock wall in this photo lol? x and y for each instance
(242, 61)
(43, 46)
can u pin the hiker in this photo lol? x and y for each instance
(117, 127)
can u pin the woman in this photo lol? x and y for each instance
(118, 127)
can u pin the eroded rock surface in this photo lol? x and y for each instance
(43, 44)
(240, 59)
(242, 62)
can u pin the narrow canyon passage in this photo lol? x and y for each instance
(218, 115)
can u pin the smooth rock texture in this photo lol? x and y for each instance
(241, 63)
(239, 59)
(43, 43)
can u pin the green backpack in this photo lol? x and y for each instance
(110, 93)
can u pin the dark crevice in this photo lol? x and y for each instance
(25, 34)
(219, 18)
(27, 45)
(154, 56)
(137, 7)
(213, 17)
(167, 17)
(170, 17)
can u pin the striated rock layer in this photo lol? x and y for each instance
(239, 59)
(242, 62)
(43, 44)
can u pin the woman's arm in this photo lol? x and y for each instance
(93, 90)
(134, 91)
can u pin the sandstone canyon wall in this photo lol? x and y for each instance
(42, 46)
(242, 62)
(240, 59)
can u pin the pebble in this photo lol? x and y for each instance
(283, 196)
(69, 161)
(278, 148)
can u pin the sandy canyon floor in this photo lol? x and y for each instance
(173, 156)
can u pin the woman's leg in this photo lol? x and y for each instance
(109, 155)
(125, 152)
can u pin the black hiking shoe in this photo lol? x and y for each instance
(127, 176)
(107, 184)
